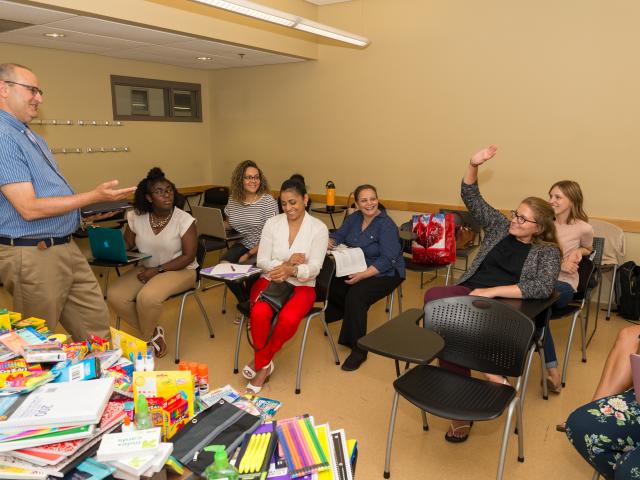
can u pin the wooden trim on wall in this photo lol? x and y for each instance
(627, 225)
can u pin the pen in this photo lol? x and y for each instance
(232, 269)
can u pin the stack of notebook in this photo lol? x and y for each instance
(134, 454)
(55, 425)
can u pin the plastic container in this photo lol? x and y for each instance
(203, 378)
(5, 319)
(220, 468)
(127, 426)
(142, 415)
(193, 367)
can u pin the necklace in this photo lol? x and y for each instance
(159, 222)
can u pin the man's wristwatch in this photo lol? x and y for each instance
(160, 269)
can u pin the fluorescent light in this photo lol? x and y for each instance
(272, 15)
(334, 33)
(204, 59)
(254, 10)
(54, 35)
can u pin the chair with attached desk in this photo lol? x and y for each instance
(191, 292)
(612, 256)
(481, 334)
(323, 283)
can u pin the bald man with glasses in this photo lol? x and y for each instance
(40, 264)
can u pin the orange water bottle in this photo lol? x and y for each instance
(331, 196)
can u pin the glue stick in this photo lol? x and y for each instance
(203, 378)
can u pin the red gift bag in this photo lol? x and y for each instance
(434, 238)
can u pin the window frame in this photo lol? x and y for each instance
(167, 87)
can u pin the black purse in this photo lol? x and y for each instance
(277, 294)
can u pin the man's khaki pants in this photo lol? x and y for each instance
(57, 285)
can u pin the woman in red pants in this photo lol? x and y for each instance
(292, 249)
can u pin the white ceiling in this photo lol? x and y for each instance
(326, 2)
(113, 39)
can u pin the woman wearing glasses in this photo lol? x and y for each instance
(250, 206)
(517, 259)
(158, 228)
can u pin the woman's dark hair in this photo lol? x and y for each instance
(360, 188)
(237, 180)
(140, 203)
(295, 185)
(296, 177)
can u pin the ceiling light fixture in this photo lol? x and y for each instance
(204, 59)
(255, 10)
(54, 35)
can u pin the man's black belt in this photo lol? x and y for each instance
(35, 242)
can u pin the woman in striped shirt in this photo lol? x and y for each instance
(250, 206)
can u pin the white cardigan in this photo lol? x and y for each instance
(274, 250)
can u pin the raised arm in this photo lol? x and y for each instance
(477, 159)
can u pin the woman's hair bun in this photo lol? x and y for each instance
(155, 173)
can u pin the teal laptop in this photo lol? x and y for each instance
(108, 244)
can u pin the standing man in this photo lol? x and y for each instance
(40, 265)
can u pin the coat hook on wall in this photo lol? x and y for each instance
(66, 150)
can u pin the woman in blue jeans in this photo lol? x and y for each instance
(606, 431)
(575, 237)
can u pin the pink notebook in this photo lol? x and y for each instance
(635, 374)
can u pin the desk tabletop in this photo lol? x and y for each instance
(336, 209)
(531, 307)
(401, 339)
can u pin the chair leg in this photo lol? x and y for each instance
(106, 283)
(425, 424)
(224, 299)
(599, 295)
(117, 323)
(545, 390)
(584, 317)
(301, 354)
(390, 299)
(525, 380)
(238, 338)
(179, 327)
(567, 351)
(520, 431)
(204, 315)
(596, 475)
(399, 290)
(449, 273)
(505, 439)
(386, 307)
(613, 282)
(327, 333)
(392, 421)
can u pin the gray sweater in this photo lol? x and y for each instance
(542, 265)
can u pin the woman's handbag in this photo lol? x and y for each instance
(277, 294)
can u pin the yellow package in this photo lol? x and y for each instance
(128, 343)
(166, 385)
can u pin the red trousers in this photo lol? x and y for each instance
(288, 320)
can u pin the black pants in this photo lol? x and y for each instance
(240, 289)
(352, 302)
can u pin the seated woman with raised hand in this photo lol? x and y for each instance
(517, 259)
(372, 230)
(575, 237)
(292, 249)
(160, 229)
(606, 431)
(250, 206)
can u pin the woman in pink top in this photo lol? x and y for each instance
(575, 237)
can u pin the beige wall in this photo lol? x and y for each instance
(77, 86)
(553, 84)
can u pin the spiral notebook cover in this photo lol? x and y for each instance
(301, 446)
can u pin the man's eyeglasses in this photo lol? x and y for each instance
(519, 218)
(255, 178)
(161, 192)
(34, 90)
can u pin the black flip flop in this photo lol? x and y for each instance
(454, 439)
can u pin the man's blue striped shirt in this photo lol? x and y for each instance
(23, 161)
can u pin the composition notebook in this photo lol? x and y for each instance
(301, 446)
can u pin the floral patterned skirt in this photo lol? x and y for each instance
(606, 432)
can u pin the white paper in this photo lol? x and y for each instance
(348, 260)
(227, 268)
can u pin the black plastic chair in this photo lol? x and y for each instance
(323, 283)
(581, 298)
(481, 334)
(216, 197)
(421, 268)
(200, 254)
(465, 219)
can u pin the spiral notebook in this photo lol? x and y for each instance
(301, 446)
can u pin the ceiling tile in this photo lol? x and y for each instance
(28, 14)
(38, 31)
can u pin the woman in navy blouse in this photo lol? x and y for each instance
(370, 229)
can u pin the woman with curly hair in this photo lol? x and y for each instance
(158, 228)
(250, 206)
